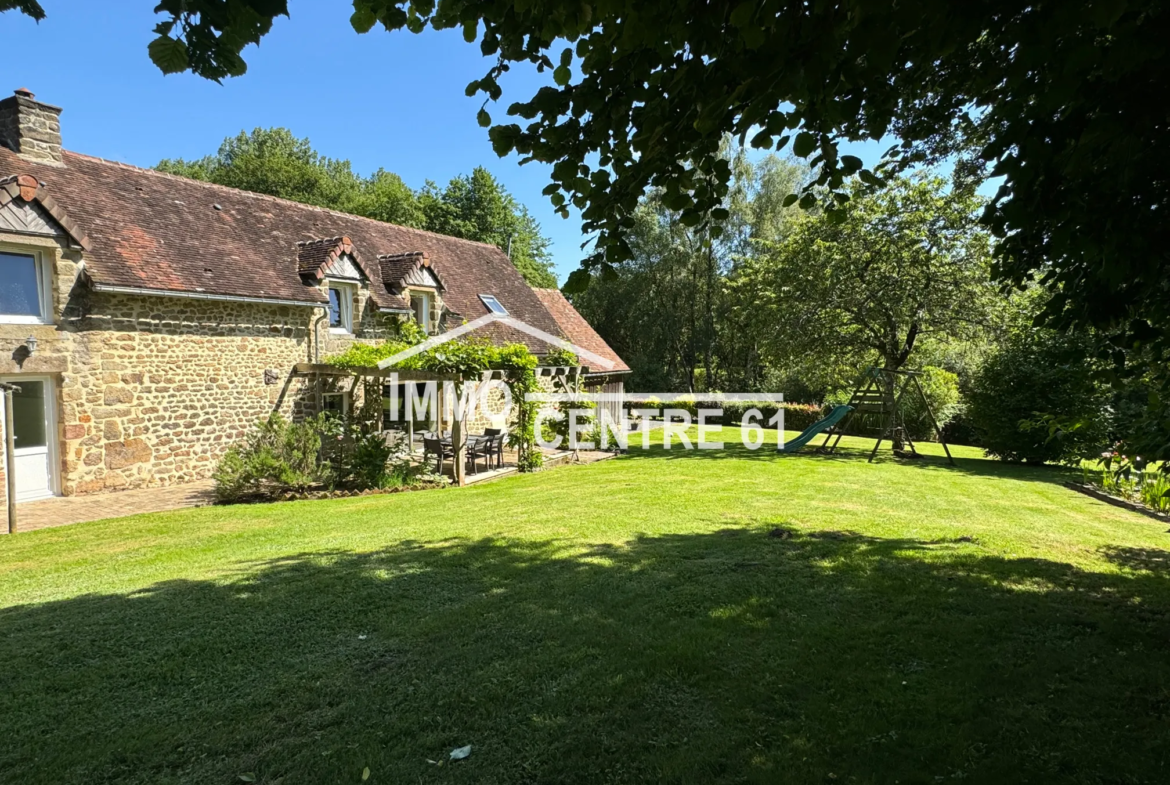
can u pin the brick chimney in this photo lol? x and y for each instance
(31, 129)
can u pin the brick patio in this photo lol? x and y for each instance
(76, 509)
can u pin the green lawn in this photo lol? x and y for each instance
(666, 617)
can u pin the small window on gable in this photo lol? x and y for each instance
(23, 289)
(493, 304)
(341, 308)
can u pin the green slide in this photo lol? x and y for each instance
(817, 427)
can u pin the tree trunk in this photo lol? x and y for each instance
(709, 370)
(894, 360)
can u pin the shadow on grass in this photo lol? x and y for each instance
(742, 655)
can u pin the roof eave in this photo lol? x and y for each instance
(234, 298)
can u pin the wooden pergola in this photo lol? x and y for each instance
(318, 371)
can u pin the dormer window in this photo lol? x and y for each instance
(24, 288)
(341, 307)
(420, 303)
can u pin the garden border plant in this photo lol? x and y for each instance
(323, 455)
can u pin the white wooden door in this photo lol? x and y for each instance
(33, 431)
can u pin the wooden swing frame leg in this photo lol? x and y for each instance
(934, 422)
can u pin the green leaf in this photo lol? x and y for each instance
(247, 776)
(470, 30)
(790, 200)
(869, 178)
(753, 36)
(805, 143)
(562, 75)
(807, 201)
(169, 54)
(483, 118)
(577, 282)
(504, 138)
(851, 163)
(365, 773)
(363, 18)
(743, 13)
(30, 8)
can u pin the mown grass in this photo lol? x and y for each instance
(667, 617)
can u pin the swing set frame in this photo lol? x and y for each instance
(880, 391)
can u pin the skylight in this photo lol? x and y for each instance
(493, 304)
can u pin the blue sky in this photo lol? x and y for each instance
(381, 100)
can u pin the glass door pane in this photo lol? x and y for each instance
(28, 415)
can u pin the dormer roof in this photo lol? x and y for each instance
(27, 208)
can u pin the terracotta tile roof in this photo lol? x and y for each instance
(396, 266)
(151, 230)
(315, 256)
(574, 327)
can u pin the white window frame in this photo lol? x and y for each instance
(498, 309)
(425, 296)
(347, 306)
(44, 286)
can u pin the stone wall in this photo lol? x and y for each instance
(158, 388)
(150, 391)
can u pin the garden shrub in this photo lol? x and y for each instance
(941, 390)
(277, 456)
(358, 458)
(1036, 400)
(797, 416)
(684, 403)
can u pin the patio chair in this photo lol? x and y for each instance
(441, 451)
(480, 446)
(497, 436)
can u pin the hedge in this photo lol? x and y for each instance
(797, 416)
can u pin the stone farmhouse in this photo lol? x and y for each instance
(149, 320)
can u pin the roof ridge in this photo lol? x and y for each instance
(404, 253)
(323, 240)
(271, 198)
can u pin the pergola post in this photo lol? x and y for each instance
(9, 459)
(458, 439)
